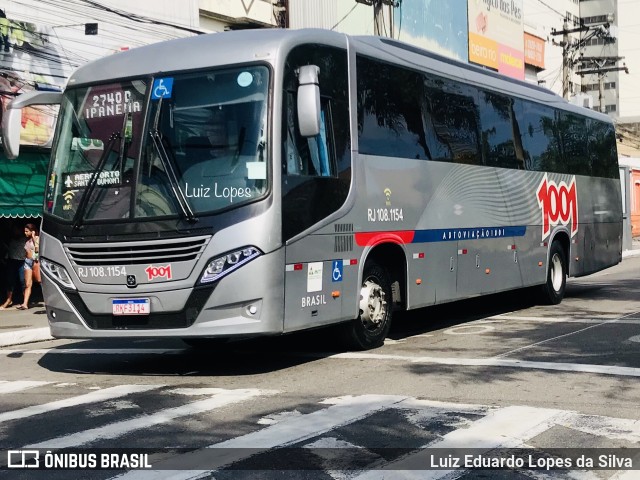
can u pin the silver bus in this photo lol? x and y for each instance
(267, 181)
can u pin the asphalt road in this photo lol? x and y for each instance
(496, 372)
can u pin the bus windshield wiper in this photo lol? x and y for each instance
(84, 200)
(156, 138)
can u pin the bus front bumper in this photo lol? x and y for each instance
(242, 304)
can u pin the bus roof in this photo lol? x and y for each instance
(201, 51)
(397, 52)
(244, 46)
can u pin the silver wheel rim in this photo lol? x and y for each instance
(557, 272)
(373, 305)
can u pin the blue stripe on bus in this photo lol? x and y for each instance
(457, 234)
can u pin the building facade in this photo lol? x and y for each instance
(600, 56)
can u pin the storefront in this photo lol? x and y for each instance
(22, 184)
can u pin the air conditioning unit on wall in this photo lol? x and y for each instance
(582, 100)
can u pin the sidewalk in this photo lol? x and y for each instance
(23, 326)
(26, 326)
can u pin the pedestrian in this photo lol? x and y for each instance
(15, 261)
(31, 249)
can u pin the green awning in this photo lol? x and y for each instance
(22, 184)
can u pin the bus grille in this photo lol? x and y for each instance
(137, 253)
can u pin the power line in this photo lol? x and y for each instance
(342, 19)
(552, 9)
(139, 18)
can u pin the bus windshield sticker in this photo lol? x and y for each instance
(110, 104)
(82, 179)
(257, 170)
(162, 88)
(84, 144)
(245, 79)
(69, 197)
(314, 277)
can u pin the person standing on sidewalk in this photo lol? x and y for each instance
(15, 262)
(31, 248)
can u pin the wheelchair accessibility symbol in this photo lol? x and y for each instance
(162, 88)
(336, 271)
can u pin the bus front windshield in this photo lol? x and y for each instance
(174, 146)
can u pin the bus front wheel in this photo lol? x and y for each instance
(553, 289)
(374, 320)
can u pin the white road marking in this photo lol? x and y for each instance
(635, 339)
(274, 418)
(329, 450)
(434, 405)
(469, 330)
(490, 362)
(508, 427)
(198, 391)
(18, 385)
(286, 432)
(602, 319)
(93, 397)
(535, 344)
(114, 430)
(610, 427)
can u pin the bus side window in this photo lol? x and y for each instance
(573, 131)
(501, 143)
(537, 123)
(453, 108)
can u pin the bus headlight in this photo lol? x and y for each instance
(227, 263)
(57, 272)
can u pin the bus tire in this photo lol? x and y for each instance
(374, 319)
(553, 290)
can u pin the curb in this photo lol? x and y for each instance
(28, 335)
(630, 253)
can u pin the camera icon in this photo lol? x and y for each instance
(23, 459)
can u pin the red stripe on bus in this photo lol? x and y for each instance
(369, 239)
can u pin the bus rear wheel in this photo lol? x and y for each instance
(553, 290)
(374, 320)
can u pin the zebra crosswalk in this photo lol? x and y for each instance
(363, 437)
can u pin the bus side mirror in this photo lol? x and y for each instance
(309, 101)
(11, 123)
(12, 118)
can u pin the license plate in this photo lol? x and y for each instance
(131, 306)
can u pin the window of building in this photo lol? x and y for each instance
(595, 19)
(594, 87)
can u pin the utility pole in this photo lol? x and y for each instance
(601, 66)
(568, 48)
(280, 13)
(378, 15)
